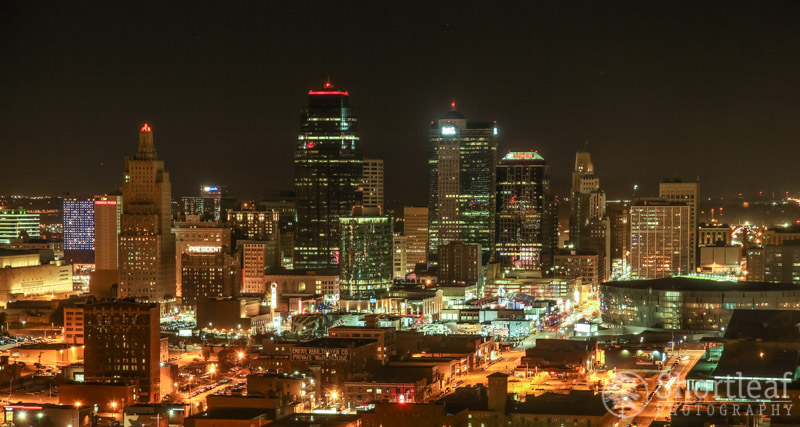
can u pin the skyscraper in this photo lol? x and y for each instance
(107, 213)
(146, 242)
(366, 264)
(123, 344)
(689, 194)
(328, 172)
(660, 239)
(14, 222)
(587, 219)
(78, 223)
(400, 257)
(461, 176)
(211, 205)
(415, 228)
(522, 193)
(372, 184)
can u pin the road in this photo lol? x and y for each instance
(658, 408)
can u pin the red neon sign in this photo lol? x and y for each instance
(105, 202)
(328, 92)
(29, 408)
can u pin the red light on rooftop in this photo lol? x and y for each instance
(145, 128)
(453, 105)
(328, 85)
(328, 92)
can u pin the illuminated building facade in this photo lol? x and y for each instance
(207, 272)
(146, 242)
(257, 259)
(255, 225)
(78, 223)
(660, 236)
(107, 214)
(782, 263)
(689, 194)
(14, 222)
(689, 303)
(372, 183)
(522, 194)
(193, 234)
(461, 174)
(284, 204)
(415, 229)
(587, 215)
(328, 172)
(123, 343)
(459, 263)
(211, 205)
(366, 263)
(400, 257)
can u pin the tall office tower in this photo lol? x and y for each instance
(400, 257)
(284, 204)
(196, 233)
(17, 222)
(255, 225)
(521, 193)
(461, 169)
(372, 184)
(459, 263)
(212, 203)
(207, 272)
(78, 228)
(366, 263)
(618, 238)
(415, 228)
(123, 344)
(587, 218)
(688, 193)
(146, 242)
(328, 170)
(660, 243)
(107, 213)
(258, 258)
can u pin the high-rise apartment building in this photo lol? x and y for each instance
(146, 242)
(618, 238)
(17, 222)
(193, 234)
(522, 194)
(660, 244)
(328, 172)
(78, 224)
(459, 263)
(587, 219)
(400, 257)
(123, 343)
(461, 173)
(372, 184)
(207, 272)
(688, 193)
(415, 229)
(212, 203)
(255, 225)
(107, 213)
(366, 263)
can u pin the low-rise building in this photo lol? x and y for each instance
(231, 417)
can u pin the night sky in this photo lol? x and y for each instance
(659, 89)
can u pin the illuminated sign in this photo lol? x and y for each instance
(321, 354)
(494, 131)
(523, 155)
(273, 302)
(105, 202)
(207, 188)
(449, 130)
(203, 249)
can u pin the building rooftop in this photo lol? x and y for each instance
(577, 402)
(316, 420)
(337, 342)
(235, 414)
(700, 284)
(756, 360)
(764, 325)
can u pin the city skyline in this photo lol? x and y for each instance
(552, 83)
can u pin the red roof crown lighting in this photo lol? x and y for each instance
(145, 128)
(328, 92)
